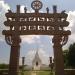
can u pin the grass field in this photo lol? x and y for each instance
(37, 73)
(44, 73)
(25, 73)
(31, 72)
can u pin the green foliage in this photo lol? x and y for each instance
(71, 55)
(65, 54)
(3, 66)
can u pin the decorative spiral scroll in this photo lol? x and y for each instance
(60, 39)
(64, 40)
(8, 40)
(11, 39)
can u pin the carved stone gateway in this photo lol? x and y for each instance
(36, 23)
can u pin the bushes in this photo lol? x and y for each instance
(3, 66)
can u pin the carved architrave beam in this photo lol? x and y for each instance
(46, 15)
(36, 32)
(36, 23)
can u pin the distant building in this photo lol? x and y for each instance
(36, 63)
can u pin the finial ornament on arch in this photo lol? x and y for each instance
(36, 5)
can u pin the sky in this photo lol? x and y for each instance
(30, 43)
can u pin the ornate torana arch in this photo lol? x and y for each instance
(36, 23)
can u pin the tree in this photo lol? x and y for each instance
(71, 55)
(65, 54)
(3, 66)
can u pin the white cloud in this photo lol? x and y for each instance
(71, 19)
(3, 9)
(22, 9)
(30, 38)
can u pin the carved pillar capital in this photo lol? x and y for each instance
(12, 40)
(58, 39)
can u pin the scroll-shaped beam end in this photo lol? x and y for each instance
(8, 40)
(64, 40)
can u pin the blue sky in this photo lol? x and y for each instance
(67, 5)
(44, 42)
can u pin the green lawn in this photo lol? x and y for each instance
(33, 72)
(44, 73)
(37, 73)
(25, 73)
